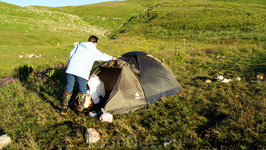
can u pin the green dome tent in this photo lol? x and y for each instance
(134, 81)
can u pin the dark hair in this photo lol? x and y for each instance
(93, 39)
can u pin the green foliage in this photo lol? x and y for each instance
(50, 74)
(179, 56)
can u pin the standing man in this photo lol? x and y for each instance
(80, 62)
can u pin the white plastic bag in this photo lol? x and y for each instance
(106, 117)
(96, 88)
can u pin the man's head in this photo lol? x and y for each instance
(93, 39)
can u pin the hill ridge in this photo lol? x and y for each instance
(32, 19)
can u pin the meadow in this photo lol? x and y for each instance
(196, 39)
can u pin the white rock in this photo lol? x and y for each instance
(260, 77)
(254, 81)
(226, 80)
(92, 136)
(208, 81)
(220, 77)
(167, 142)
(4, 140)
(238, 78)
(29, 55)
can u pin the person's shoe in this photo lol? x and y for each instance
(81, 102)
(66, 98)
(64, 111)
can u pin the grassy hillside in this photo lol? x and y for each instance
(34, 22)
(199, 21)
(242, 1)
(103, 15)
(196, 39)
(28, 30)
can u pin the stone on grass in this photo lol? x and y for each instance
(92, 136)
(260, 77)
(208, 81)
(4, 141)
(167, 142)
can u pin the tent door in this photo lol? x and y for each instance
(109, 77)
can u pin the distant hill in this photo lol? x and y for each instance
(198, 20)
(34, 24)
(201, 20)
(241, 1)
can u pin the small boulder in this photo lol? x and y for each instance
(226, 80)
(208, 81)
(92, 136)
(260, 77)
(4, 141)
(238, 78)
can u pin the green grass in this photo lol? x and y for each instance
(242, 1)
(221, 38)
(200, 21)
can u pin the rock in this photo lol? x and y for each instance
(226, 80)
(92, 136)
(39, 56)
(208, 81)
(254, 81)
(238, 78)
(220, 57)
(30, 55)
(218, 78)
(4, 140)
(260, 77)
(167, 142)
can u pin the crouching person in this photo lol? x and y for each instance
(80, 62)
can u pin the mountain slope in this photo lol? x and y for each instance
(199, 21)
(36, 23)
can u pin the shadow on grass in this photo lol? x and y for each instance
(70, 124)
(256, 66)
(48, 83)
(200, 78)
(62, 132)
(214, 119)
(1, 132)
